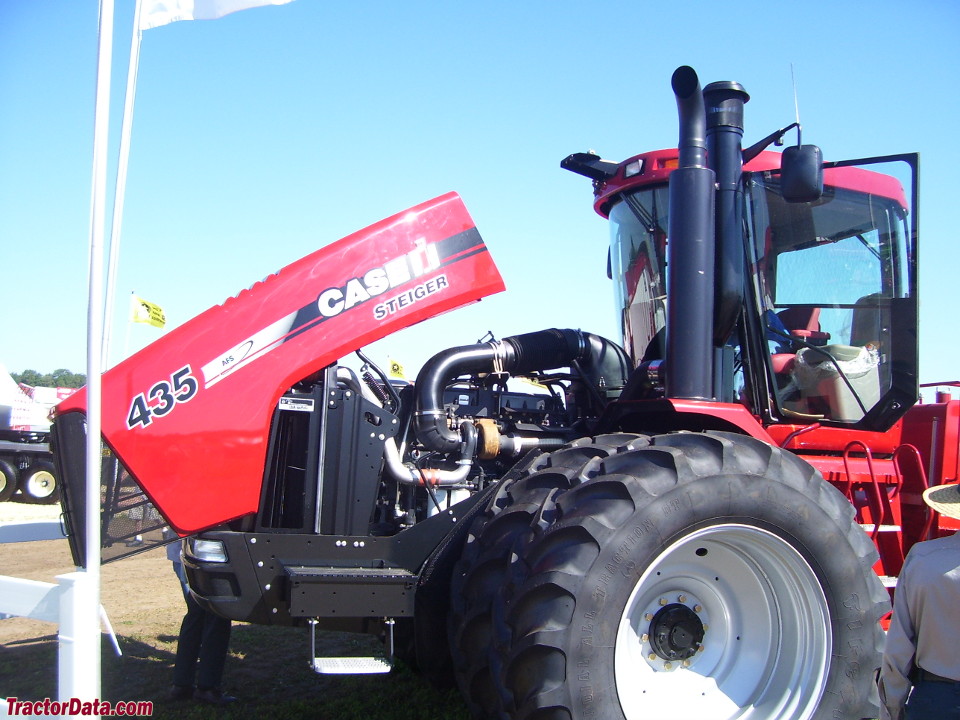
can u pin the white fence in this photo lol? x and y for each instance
(58, 603)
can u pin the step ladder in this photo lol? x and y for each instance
(353, 665)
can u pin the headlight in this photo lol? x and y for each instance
(206, 550)
(632, 169)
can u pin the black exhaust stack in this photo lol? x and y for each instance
(691, 251)
(725, 101)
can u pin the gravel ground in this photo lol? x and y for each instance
(13, 511)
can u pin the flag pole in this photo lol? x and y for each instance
(126, 335)
(120, 189)
(79, 660)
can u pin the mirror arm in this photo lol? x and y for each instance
(774, 138)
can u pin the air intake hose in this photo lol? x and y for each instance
(603, 363)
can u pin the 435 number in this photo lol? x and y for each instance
(162, 398)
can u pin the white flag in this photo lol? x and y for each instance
(154, 13)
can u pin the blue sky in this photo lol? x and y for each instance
(269, 133)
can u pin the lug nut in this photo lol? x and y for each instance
(652, 656)
(663, 601)
(686, 663)
(648, 617)
(644, 637)
(698, 608)
(682, 598)
(667, 666)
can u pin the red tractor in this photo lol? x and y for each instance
(703, 523)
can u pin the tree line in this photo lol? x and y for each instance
(57, 378)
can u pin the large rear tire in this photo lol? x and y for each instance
(512, 514)
(707, 576)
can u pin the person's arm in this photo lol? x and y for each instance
(899, 653)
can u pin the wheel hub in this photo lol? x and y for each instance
(41, 484)
(676, 632)
(765, 646)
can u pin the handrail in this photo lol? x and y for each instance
(931, 515)
(881, 510)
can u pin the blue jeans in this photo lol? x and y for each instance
(934, 701)
(202, 645)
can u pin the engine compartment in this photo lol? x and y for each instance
(358, 454)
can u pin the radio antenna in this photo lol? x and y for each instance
(796, 101)
(774, 138)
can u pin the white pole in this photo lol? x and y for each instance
(129, 324)
(119, 193)
(83, 679)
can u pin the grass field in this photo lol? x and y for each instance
(272, 664)
(277, 682)
(268, 669)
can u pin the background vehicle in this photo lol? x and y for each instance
(682, 526)
(26, 462)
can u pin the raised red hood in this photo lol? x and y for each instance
(189, 415)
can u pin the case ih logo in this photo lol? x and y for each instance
(376, 281)
(334, 301)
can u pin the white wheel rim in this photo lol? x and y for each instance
(767, 641)
(41, 484)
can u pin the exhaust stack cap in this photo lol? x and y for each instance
(692, 148)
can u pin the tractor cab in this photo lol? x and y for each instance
(827, 327)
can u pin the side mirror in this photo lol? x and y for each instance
(801, 173)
